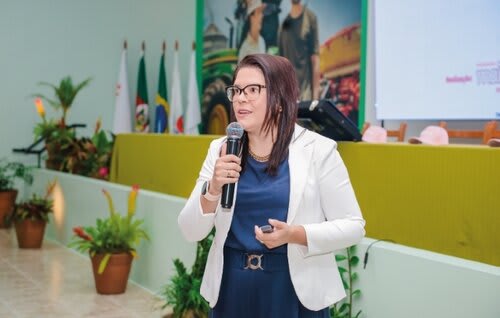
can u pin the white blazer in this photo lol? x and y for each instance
(321, 200)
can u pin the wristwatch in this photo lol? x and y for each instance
(206, 194)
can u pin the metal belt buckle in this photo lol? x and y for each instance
(250, 261)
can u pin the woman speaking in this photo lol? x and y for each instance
(273, 250)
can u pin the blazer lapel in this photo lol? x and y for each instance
(299, 160)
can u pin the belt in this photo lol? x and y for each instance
(272, 262)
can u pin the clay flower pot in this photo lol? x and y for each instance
(114, 278)
(30, 233)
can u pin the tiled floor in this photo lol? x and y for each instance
(57, 282)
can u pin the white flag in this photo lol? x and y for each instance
(193, 114)
(123, 119)
(176, 116)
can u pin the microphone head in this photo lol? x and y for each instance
(234, 130)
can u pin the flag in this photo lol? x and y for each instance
(122, 122)
(193, 113)
(162, 107)
(176, 120)
(141, 100)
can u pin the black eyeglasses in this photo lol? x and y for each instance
(251, 91)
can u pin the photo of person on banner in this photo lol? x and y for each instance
(298, 41)
(252, 41)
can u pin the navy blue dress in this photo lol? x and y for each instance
(266, 290)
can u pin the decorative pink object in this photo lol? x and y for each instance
(375, 134)
(431, 135)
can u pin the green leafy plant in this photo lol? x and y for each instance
(65, 94)
(10, 171)
(183, 291)
(115, 234)
(344, 309)
(37, 208)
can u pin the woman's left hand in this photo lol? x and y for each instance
(280, 235)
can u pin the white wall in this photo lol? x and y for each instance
(47, 40)
(401, 281)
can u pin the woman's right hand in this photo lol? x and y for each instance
(227, 170)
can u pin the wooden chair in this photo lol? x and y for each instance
(398, 133)
(484, 135)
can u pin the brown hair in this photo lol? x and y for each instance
(282, 91)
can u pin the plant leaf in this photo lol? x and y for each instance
(344, 307)
(354, 260)
(340, 257)
(104, 263)
(354, 276)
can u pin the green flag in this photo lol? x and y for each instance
(141, 100)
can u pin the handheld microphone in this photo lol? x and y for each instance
(234, 133)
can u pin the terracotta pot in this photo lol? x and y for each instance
(30, 233)
(7, 202)
(115, 276)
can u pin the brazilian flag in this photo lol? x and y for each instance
(162, 106)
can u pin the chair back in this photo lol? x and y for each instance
(484, 135)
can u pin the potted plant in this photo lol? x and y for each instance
(9, 172)
(57, 135)
(111, 244)
(30, 218)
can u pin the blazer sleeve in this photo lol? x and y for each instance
(194, 224)
(344, 224)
